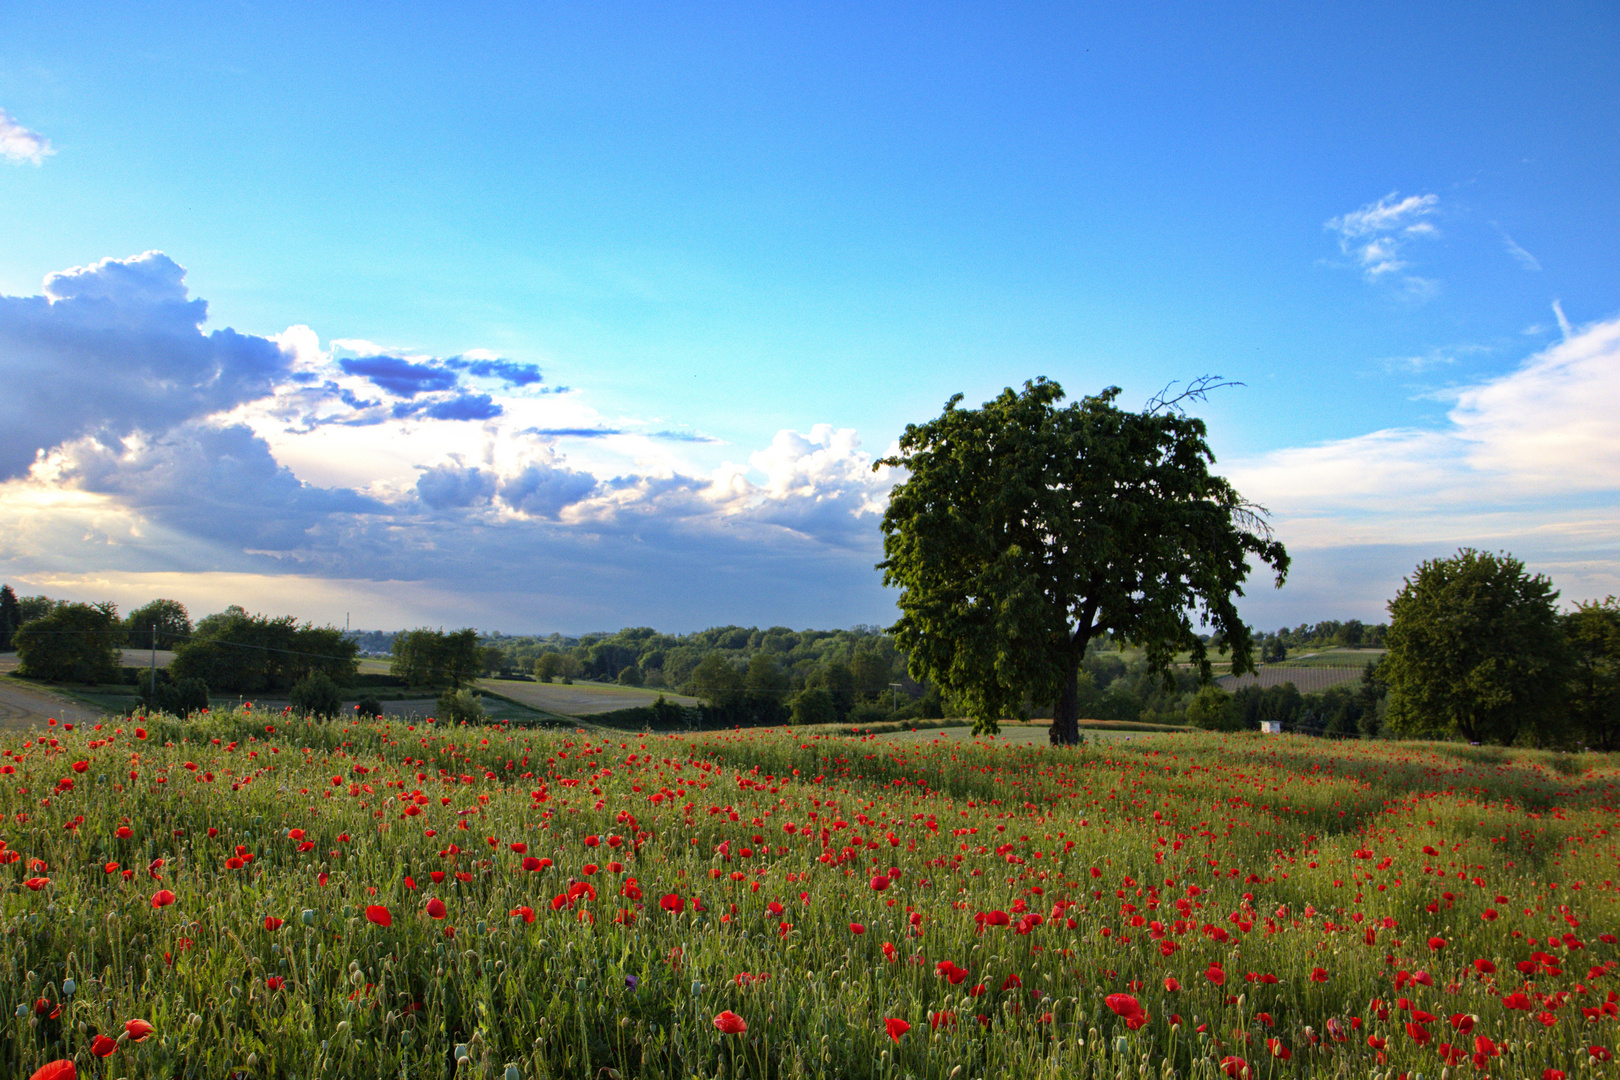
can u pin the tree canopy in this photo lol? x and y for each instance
(71, 643)
(1025, 529)
(1476, 649)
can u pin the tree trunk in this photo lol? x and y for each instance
(1066, 715)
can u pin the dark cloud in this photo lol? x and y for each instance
(571, 432)
(401, 377)
(447, 487)
(682, 436)
(508, 371)
(114, 348)
(543, 491)
(462, 407)
(218, 484)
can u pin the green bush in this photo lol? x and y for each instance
(369, 707)
(460, 706)
(316, 695)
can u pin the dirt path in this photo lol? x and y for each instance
(22, 708)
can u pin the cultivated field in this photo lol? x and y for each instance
(282, 899)
(1307, 679)
(578, 699)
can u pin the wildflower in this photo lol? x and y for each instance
(1170, 984)
(138, 1030)
(1215, 973)
(162, 898)
(897, 1028)
(857, 928)
(56, 1070)
(380, 915)
(436, 908)
(729, 1023)
(101, 1046)
(275, 982)
(1126, 1006)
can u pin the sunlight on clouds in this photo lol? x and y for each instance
(1532, 456)
(17, 143)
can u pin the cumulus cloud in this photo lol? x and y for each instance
(17, 143)
(117, 347)
(455, 486)
(1377, 235)
(544, 491)
(1534, 451)
(217, 484)
(137, 444)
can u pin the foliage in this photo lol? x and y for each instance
(1025, 529)
(10, 617)
(1476, 649)
(234, 652)
(813, 705)
(167, 618)
(316, 695)
(1593, 631)
(460, 707)
(72, 643)
(1212, 710)
(182, 697)
(434, 658)
(368, 707)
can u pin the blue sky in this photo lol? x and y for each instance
(594, 315)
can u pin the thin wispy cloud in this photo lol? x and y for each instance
(1377, 236)
(1521, 256)
(17, 143)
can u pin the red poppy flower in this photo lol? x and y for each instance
(673, 904)
(729, 1023)
(1124, 1005)
(1319, 975)
(436, 908)
(1171, 984)
(37, 883)
(275, 982)
(1215, 974)
(525, 913)
(856, 928)
(531, 864)
(880, 882)
(1437, 943)
(137, 1030)
(272, 923)
(380, 915)
(1233, 1066)
(895, 1028)
(56, 1070)
(162, 898)
(101, 1046)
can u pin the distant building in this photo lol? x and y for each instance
(1271, 727)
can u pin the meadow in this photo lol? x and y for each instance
(250, 895)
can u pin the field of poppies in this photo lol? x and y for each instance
(247, 895)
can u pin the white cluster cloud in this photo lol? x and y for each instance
(1528, 462)
(17, 143)
(1377, 235)
(136, 443)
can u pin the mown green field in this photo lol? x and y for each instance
(280, 898)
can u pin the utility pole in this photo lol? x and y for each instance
(154, 663)
(894, 705)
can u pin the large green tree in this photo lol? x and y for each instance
(168, 618)
(10, 617)
(233, 651)
(1026, 528)
(1593, 630)
(72, 643)
(1476, 649)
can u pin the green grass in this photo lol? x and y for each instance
(1145, 860)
